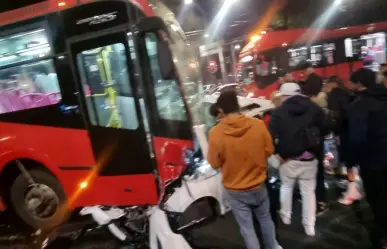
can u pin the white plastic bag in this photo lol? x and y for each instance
(273, 162)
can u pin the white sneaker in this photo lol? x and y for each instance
(309, 230)
(351, 195)
(286, 220)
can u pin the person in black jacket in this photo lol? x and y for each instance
(339, 100)
(313, 84)
(367, 117)
(312, 87)
(288, 125)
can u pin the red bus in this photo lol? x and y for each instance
(89, 99)
(332, 52)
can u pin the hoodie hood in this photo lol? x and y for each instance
(379, 92)
(235, 125)
(297, 105)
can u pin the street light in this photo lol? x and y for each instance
(188, 1)
(337, 2)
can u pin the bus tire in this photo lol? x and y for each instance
(23, 193)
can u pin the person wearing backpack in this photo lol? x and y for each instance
(297, 128)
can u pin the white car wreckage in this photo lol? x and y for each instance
(163, 226)
(160, 226)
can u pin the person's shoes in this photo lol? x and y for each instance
(351, 195)
(285, 220)
(309, 230)
(322, 208)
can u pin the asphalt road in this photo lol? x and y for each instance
(341, 227)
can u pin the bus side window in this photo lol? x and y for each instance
(104, 77)
(28, 86)
(170, 104)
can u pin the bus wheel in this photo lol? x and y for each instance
(41, 205)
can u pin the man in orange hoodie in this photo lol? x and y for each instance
(239, 146)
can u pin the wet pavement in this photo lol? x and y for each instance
(341, 227)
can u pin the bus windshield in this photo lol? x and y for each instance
(185, 61)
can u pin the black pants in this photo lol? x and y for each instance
(320, 184)
(375, 186)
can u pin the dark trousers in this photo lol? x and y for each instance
(320, 184)
(375, 186)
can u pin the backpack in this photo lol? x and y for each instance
(296, 141)
(313, 138)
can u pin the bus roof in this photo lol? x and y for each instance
(50, 6)
(299, 36)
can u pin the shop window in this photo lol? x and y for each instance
(24, 46)
(105, 80)
(28, 86)
(169, 100)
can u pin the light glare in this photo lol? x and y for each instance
(256, 38)
(188, 1)
(83, 185)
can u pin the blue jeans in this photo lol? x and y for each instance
(256, 202)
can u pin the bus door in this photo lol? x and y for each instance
(124, 166)
(170, 120)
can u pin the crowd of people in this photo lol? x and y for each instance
(294, 141)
